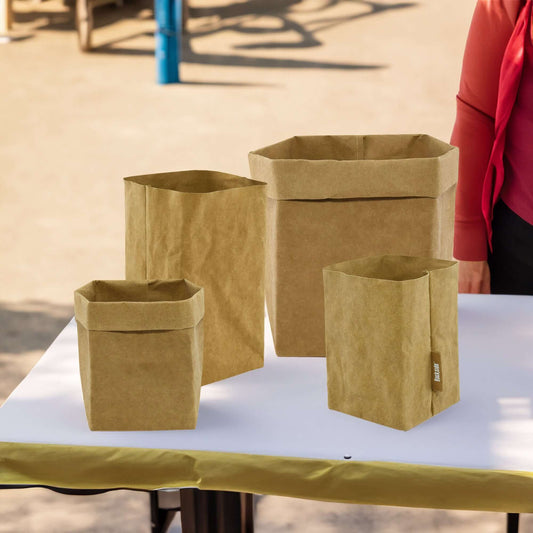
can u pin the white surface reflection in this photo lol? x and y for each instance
(512, 439)
(281, 409)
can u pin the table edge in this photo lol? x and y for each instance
(348, 481)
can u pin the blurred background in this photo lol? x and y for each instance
(254, 72)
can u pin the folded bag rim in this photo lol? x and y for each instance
(329, 178)
(134, 314)
(446, 148)
(220, 182)
(422, 266)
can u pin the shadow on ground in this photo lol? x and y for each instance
(239, 17)
(265, 19)
(26, 331)
(235, 60)
(30, 326)
(270, 25)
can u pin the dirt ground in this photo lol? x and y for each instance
(254, 72)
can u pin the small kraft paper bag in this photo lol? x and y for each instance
(208, 227)
(140, 350)
(331, 198)
(391, 338)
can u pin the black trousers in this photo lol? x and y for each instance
(511, 262)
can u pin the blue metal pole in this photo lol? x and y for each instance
(168, 40)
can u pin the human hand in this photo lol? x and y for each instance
(474, 277)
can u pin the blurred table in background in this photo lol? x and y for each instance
(170, 16)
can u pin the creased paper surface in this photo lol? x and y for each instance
(140, 349)
(334, 198)
(385, 317)
(208, 227)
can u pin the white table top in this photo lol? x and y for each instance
(281, 410)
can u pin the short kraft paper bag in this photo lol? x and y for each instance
(391, 338)
(333, 198)
(208, 227)
(140, 350)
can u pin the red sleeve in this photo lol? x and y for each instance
(491, 28)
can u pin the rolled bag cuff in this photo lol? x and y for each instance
(140, 316)
(470, 242)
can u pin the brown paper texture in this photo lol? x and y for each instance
(208, 227)
(386, 317)
(331, 198)
(140, 350)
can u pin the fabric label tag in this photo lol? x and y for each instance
(436, 372)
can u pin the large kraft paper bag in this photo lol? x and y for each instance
(208, 227)
(140, 351)
(391, 338)
(333, 198)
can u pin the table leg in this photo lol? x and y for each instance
(5, 19)
(512, 522)
(84, 23)
(216, 512)
(10, 14)
(247, 513)
(184, 15)
(164, 504)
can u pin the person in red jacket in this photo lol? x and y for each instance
(494, 133)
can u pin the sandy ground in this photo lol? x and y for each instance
(254, 72)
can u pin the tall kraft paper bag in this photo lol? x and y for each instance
(391, 338)
(332, 198)
(140, 352)
(208, 227)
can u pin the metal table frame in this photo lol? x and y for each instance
(202, 511)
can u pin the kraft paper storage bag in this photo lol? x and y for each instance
(140, 350)
(391, 338)
(208, 227)
(332, 198)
